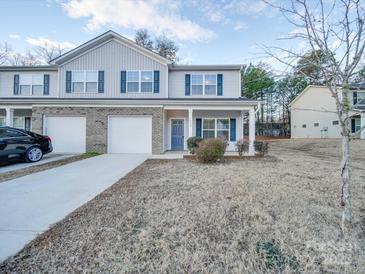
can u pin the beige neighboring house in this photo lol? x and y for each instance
(313, 113)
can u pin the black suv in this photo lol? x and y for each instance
(21, 145)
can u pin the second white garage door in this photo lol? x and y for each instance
(130, 134)
(68, 134)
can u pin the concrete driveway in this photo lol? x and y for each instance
(46, 159)
(30, 204)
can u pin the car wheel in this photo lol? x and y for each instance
(33, 154)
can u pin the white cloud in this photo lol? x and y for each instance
(14, 36)
(239, 26)
(41, 41)
(158, 16)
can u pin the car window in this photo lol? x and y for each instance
(8, 133)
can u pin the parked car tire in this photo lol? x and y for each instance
(33, 154)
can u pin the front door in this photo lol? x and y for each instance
(177, 134)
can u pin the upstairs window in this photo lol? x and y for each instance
(204, 84)
(133, 81)
(335, 123)
(197, 84)
(139, 81)
(84, 81)
(31, 84)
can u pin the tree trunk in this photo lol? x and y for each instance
(346, 182)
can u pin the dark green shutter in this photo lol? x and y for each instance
(187, 84)
(220, 84)
(68, 81)
(232, 132)
(101, 81)
(156, 81)
(16, 84)
(353, 126)
(123, 81)
(354, 97)
(198, 127)
(46, 84)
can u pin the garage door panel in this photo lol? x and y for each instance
(68, 134)
(130, 134)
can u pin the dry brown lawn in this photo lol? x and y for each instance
(276, 214)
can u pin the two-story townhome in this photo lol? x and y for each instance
(112, 96)
(314, 115)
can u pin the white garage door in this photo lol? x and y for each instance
(128, 134)
(68, 134)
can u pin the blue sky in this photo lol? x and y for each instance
(207, 32)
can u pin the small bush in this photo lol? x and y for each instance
(242, 146)
(211, 150)
(274, 258)
(193, 144)
(261, 147)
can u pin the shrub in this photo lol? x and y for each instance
(193, 144)
(211, 150)
(242, 146)
(261, 147)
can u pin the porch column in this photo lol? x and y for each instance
(362, 124)
(190, 110)
(9, 117)
(251, 131)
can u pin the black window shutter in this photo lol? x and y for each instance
(123, 81)
(232, 132)
(187, 84)
(354, 97)
(46, 84)
(16, 84)
(101, 81)
(220, 84)
(353, 126)
(156, 81)
(68, 81)
(198, 127)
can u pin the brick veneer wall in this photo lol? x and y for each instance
(97, 123)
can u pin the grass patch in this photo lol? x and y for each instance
(91, 154)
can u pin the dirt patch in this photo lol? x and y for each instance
(179, 216)
(37, 168)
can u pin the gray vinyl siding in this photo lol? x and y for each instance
(7, 83)
(112, 57)
(231, 83)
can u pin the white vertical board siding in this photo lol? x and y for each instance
(7, 82)
(316, 105)
(231, 84)
(113, 57)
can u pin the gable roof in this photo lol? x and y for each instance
(103, 38)
(352, 88)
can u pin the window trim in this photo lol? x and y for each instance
(203, 84)
(140, 81)
(84, 91)
(31, 93)
(215, 126)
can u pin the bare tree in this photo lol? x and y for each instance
(167, 48)
(47, 52)
(143, 38)
(4, 53)
(335, 28)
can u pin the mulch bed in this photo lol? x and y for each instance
(37, 168)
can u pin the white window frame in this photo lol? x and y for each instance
(358, 100)
(204, 75)
(31, 84)
(84, 81)
(216, 128)
(140, 81)
(357, 124)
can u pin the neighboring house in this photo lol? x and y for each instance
(111, 95)
(313, 113)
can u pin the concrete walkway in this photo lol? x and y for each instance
(46, 159)
(30, 204)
